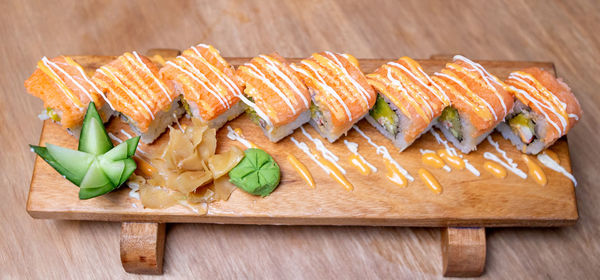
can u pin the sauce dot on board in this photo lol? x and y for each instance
(430, 181)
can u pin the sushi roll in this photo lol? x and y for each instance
(278, 101)
(340, 93)
(479, 102)
(132, 86)
(408, 101)
(66, 91)
(208, 84)
(545, 110)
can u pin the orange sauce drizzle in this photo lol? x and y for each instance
(357, 162)
(535, 171)
(394, 175)
(432, 160)
(430, 180)
(240, 133)
(302, 170)
(335, 173)
(144, 168)
(495, 169)
(454, 161)
(552, 155)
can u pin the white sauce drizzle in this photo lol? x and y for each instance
(226, 80)
(327, 88)
(156, 80)
(254, 71)
(453, 152)
(92, 84)
(213, 91)
(464, 86)
(271, 65)
(423, 97)
(304, 148)
(326, 153)
(544, 103)
(401, 87)
(550, 163)
(231, 134)
(353, 148)
(361, 90)
(425, 151)
(382, 150)
(510, 164)
(576, 117)
(48, 63)
(80, 86)
(486, 77)
(106, 72)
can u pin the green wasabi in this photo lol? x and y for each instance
(451, 119)
(257, 173)
(384, 115)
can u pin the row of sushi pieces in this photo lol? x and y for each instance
(531, 108)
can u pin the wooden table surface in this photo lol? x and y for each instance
(563, 32)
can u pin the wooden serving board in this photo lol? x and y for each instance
(466, 200)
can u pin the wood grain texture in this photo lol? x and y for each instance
(463, 252)
(564, 32)
(142, 247)
(466, 200)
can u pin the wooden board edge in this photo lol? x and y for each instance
(302, 221)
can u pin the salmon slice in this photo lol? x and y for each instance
(205, 79)
(412, 91)
(474, 91)
(337, 87)
(65, 88)
(132, 86)
(547, 96)
(275, 88)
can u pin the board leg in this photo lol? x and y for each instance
(463, 251)
(142, 247)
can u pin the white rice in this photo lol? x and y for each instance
(468, 144)
(541, 126)
(219, 121)
(277, 133)
(160, 123)
(328, 131)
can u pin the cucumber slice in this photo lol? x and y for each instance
(113, 170)
(93, 138)
(117, 153)
(95, 183)
(130, 167)
(91, 193)
(75, 161)
(132, 144)
(75, 178)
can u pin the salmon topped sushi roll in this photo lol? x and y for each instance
(66, 91)
(545, 110)
(479, 103)
(340, 93)
(208, 84)
(408, 102)
(277, 101)
(131, 84)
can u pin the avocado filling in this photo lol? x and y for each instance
(523, 126)
(53, 115)
(451, 120)
(384, 115)
(186, 106)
